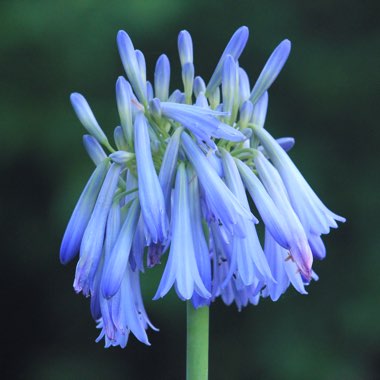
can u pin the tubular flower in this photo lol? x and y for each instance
(174, 190)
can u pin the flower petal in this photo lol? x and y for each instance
(116, 263)
(82, 213)
(131, 65)
(234, 48)
(93, 237)
(150, 193)
(271, 70)
(162, 78)
(87, 118)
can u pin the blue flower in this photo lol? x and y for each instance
(247, 254)
(234, 48)
(298, 244)
(230, 89)
(82, 213)
(150, 192)
(87, 118)
(199, 229)
(124, 313)
(169, 165)
(202, 122)
(116, 262)
(124, 97)
(284, 269)
(277, 213)
(94, 149)
(315, 217)
(271, 70)
(223, 204)
(181, 267)
(162, 78)
(93, 237)
(177, 185)
(131, 66)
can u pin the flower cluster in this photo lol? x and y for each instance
(186, 167)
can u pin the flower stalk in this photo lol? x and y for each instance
(197, 342)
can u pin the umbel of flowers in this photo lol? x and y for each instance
(178, 182)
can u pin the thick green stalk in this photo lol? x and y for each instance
(197, 343)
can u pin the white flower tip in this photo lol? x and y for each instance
(286, 44)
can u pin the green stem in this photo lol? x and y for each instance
(197, 343)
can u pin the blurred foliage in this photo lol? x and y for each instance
(326, 97)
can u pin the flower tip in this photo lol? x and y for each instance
(183, 34)
(63, 257)
(185, 47)
(121, 36)
(244, 31)
(108, 290)
(306, 273)
(157, 296)
(229, 61)
(286, 43)
(120, 81)
(163, 60)
(340, 218)
(76, 98)
(285, 46)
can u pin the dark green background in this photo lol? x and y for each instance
(325, 98)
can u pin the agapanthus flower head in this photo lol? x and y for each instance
(176, 189)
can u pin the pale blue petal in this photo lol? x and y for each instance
(270, 214)
(121, 157)
(182, 266)
(185, 47)
(188, 80)
(271, 70)
(124, 106)
(229, 86)
(82, 213)
(94, 149)
(135, 284)
(297, 239)
(317, 246)
(150, 193)
(177, 97)
(131, 65)
(162, 78)
(244, 86)
(200, 245)
(120, 139)
(234, 48)
(313, 214)
(245, 114)
(93, 237)
(199, 86)
(201, 101)
(113, 228)
(116, 263)
(142, 64)
(250, 259)
(149, 91)
(87, 118)
(168, 166)
(201, 122)
(260, 111)
(274, 255)
(221, 200)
